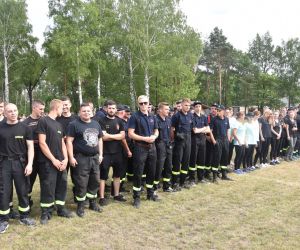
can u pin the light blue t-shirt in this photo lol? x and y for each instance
(240, 133)
(251, 133)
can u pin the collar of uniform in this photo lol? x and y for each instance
(142, 114)
(160, 118)
(184, 113)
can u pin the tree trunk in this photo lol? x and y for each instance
(6, 81)
(78, 77)
(29, 92)
(99, 86)
(146, 82)
(131, 83)
(220, 84)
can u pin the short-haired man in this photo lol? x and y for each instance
(181, 132)
(143, 129)
(31, 122)
(84, 144)
(53, 174)
(16, 157)
(198, 150)
(113, 134)
(164, 148)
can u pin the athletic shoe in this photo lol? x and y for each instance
(168, 190)
(119, 198)
(103, 202)
(27, 221)
(3, 226)
(63, 212)
(238, 171)
(252, 168)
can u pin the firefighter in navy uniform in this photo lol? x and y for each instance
(198, 150)
(143, 129)
(164, 148)
(84, 145)
(32, 122)
(181, 131)
(54, 157)
(127, 145)
(16, 157)
(209, 144)
(220, 140)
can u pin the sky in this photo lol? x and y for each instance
(240, 20)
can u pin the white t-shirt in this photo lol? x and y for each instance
(251, 133)
(232, 121)
(256, 130)
(240, 133)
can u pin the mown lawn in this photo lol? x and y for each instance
(259, 210)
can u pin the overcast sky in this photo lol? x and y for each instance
(240, 20)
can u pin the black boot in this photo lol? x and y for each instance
(136, 199)
(224, 175)
(215, 176)
(80, 209)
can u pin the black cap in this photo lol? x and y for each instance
(127, 108)
(250, 114)
(221, 107)
(197, 103)
(120, 107)
(215, 105)
(291, 108)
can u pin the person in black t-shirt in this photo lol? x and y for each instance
(291, 130)
(265, 134)
(31, 122)
(53, 174)
(113, 131)
(84, 144)
(16, 157)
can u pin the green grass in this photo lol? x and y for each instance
(260, 210)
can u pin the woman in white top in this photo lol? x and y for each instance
(239, 134)
(251, 141)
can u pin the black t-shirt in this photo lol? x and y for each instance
(86, 136)
(292, 124)
(220, 127)
(112, 126)
(13, 139)
(164, 129)
(265, 128)
(54, 134)
(65, 121)
(32, 125)
(199, 122)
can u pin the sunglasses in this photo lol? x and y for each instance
(143, 103)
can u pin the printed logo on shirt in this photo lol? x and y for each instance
(19, 137)
(58, 131)
(90, 135)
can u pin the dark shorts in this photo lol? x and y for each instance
(116, 161)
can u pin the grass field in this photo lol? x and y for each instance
(259, 210)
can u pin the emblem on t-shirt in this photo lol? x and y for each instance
(90, 135)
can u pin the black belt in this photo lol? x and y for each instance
(144, 145)
(12, 158)
(85, 155)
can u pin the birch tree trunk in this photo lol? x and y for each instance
(78, 77)
(98, 85)
(146, 82)
(131, 83)
(6, 80)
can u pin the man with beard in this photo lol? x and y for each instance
(84, 144)
(113, 134)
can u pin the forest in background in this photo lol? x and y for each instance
(118, 49)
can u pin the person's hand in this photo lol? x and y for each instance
(129, 154)
(100, 159)
(56, 163)
(63, 165)
(28, 170)
(73, 162)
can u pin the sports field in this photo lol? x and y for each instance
(259, 210)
